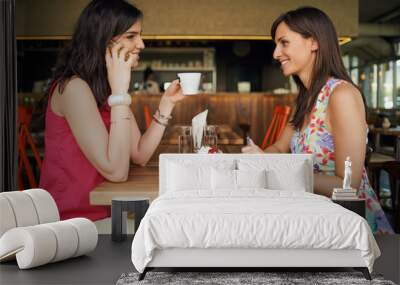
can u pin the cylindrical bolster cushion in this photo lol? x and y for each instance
(7, 218)
(41, 244)
(45, 205)
(87, 235)
(67, 240)
(33, 246)
(23, 208)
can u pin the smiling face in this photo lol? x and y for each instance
(295, 53)
(132, 40)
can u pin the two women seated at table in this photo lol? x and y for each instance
(91, 135)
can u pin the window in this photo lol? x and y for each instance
(371, 85)
(354, 75)
(386, 85)
(346, 61)
(354, 61)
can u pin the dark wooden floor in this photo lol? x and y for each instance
(110, 260)
(389, 262)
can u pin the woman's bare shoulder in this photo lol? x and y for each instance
(345, 92)
(346, 106)
(77, 89)
(76, 85)
(346, 96)
(76, 95)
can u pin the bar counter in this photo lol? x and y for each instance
(231, 109)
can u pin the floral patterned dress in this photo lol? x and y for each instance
(316, 139)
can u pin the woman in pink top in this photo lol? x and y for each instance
(91, 133)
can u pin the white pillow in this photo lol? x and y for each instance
(188, 177)
(223, 179)
(293, 179)
(251, 178)
(228, 179)
(281, 173)
(185, 174)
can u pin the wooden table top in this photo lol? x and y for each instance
(226, 135)
(142, 181)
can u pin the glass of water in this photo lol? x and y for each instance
(210, 136)
(185, 140)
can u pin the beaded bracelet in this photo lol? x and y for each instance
(119, 99)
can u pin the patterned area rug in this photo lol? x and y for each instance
(230, 278)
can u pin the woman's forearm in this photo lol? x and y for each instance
(145, 145)
(119, 143)
(149, 142)
(324, 184)
(272, 149)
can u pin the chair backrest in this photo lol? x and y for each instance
(24, 139)
(278, 123)
(147, 116)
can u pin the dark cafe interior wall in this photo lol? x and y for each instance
(185, 17)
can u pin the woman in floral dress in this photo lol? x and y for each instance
(329, 120)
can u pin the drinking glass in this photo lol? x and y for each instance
(186, 130)
(210, 136)
(185, 140)
(185, 144)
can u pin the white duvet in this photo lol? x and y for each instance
(250, 219)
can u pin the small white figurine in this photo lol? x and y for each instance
(347, 174)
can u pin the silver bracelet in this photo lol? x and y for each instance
(158, 121)
(162, 116)
(163, 120)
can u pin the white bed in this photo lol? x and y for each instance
(215, 211)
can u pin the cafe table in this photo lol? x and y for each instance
(142, 180)
(395, 132)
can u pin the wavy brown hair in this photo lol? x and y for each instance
(84, 56)
(311, 22)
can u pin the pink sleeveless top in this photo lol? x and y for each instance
(66, 173)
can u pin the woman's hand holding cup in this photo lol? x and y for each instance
(172, 95)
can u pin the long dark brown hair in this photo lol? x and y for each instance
(311, 22)
(84, 56)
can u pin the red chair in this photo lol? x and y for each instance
(24, 138)
(278, 123)
(147, 116)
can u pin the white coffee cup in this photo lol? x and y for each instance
(244, 86)
(190, 82)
